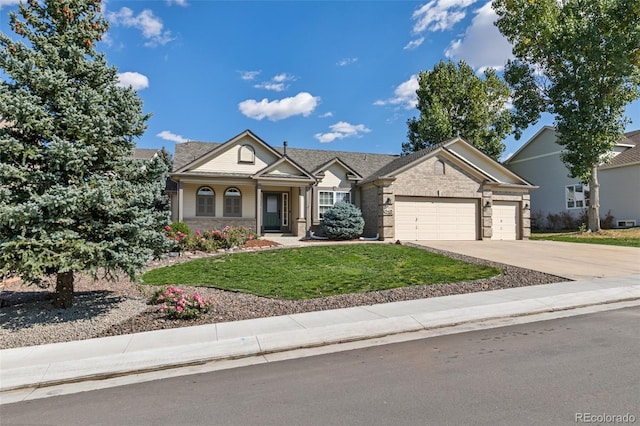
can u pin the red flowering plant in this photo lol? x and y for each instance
(178, 234)
(176, 303)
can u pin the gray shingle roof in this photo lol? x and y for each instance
(144, 153)
(631, 155)
(400, 162)
(309, 159)
(186, 152)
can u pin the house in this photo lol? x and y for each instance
(448, 191)
(539, 162)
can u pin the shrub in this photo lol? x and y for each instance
(177, 304)
(180, 227)
(209, 241)
(343, 221)
(607, 221)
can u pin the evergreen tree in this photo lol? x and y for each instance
(72, 198)
(454, 101)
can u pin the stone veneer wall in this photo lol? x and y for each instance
(210, 223)
(369, 202)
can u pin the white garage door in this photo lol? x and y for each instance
(435, 219)
(504, 220)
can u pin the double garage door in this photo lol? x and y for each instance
(418, 218)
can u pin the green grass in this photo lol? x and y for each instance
(311, 272)
(613, 237)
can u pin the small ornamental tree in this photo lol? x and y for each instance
(343, 221)
(72, 198)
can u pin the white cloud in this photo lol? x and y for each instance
(150, 25)
(346, 61)
(341, 130)
(4, 3)
(277, 83)
(301, 104)
(482, 46)
(405, 94)
(327, 115)
(178, 2)
(414, 44)
(439, 15)
(169, 136)
(136, 80)
(249, 75)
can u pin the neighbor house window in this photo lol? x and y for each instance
(205, 202)
(577, 196)
(246, 154)
(327, 199)
(232, 202)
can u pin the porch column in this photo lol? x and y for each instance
(301, 221)
(180, 202)
(259, 209)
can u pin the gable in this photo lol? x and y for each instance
(484, 163)
(541, 144)
(334, 175)
(235, 157)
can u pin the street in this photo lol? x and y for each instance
(565, 371)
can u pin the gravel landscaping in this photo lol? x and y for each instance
(108, 308)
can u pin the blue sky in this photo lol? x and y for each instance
(336, 75)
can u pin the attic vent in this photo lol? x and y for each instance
(626, 223)
(246, 154)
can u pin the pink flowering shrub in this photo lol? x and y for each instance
(212, 240)
(177, 304)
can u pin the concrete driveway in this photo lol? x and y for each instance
(569, 260)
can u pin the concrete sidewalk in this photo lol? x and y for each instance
(24, 369)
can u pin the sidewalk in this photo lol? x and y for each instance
(33, 367)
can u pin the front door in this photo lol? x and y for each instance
(272, 212)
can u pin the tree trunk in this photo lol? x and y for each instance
(63, 297)
(594, 201)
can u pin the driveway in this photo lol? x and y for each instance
(569, 260)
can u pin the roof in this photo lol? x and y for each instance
(628, 157)
(144, 153)
(400, 162)
(309, 159)
(629, 138)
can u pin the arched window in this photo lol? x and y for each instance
(205, 202)
(439, 167)
(246, 154)
(232, 202)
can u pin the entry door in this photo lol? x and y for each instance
(272, 209)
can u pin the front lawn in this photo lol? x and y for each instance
(614, 237)
(320, 271)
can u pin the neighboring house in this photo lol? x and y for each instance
(539, 162)
(448, 191)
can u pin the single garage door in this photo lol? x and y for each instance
(418, 218)
(504, 220)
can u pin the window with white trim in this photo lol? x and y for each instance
(246, 154)
(232, 202)
(577, 196)
(327, 199)
(205, 202)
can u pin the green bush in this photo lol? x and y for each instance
(343, 221)
(180, 227)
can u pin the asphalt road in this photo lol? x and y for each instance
(573, 370)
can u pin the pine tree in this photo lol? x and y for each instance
(72, 198)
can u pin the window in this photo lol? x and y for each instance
(246, 154)
(205, 202)
(327, 199)
(577, 196)
(232, 202)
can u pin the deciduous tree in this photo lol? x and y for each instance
(579, 60)
(454, 101)
(72, 198)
